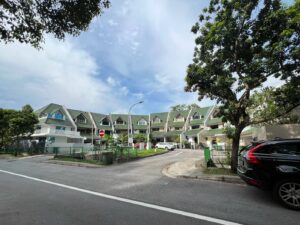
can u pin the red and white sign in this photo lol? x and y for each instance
(101, 133)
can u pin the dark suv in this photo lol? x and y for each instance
(274, 165)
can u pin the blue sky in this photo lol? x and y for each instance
(137, 50)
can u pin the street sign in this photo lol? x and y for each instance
(130, 140)
(101, 133)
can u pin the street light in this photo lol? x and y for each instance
(130, 134)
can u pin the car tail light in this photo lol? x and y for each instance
(251, 158)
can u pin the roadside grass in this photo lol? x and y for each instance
(130, 153)
(146, 152)
(218, 171)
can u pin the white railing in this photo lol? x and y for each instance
(57, 132)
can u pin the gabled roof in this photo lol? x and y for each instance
(174, 114)
(162, 116)
(214, 121)
(98, 118)
(75, 113)
(124, 117)
(52, 107)
(136, 118)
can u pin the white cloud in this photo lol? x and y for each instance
(152, 43)
(112, 82)
(112, 23)
(59, 73)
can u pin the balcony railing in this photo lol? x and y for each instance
(49, 131)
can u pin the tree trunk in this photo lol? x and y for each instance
(235, 148)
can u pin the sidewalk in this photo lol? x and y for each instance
(193, 169)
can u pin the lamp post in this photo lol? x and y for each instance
(130, 132)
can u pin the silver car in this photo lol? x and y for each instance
(165, 145)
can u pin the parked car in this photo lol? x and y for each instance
(273, 165)
(165, 145)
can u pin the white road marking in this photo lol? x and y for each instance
(178, 153)
(143, 204)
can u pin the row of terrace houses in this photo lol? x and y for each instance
(62, 127)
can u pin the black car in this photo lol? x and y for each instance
(273, 165)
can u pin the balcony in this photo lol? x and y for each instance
(54, 132)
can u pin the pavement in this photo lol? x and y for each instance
(193, 169)
(33, 191)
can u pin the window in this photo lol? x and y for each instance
(214, 126)
(155, 129)
(81, 119)
(105, 122)
(156, 120)
(58, 115)
(178, 128)
(284, 148)
(179, 118)
(142, 122)
(196, 116)
(120, 121)
(60, 128)
(196, 127)
(38, 127)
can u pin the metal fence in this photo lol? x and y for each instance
(120, 154)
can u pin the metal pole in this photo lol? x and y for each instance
(129, 120)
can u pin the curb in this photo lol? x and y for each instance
(219, 178)
(65, 163)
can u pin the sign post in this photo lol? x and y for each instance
(101, 134)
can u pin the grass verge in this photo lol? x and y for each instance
(146, 152)
(218, 171)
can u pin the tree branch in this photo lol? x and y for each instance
(277, 116)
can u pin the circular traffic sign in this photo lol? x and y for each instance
(101, 133)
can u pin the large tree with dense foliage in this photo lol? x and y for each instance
(239, 46)
(184, 107)
(27, 21)
(16, 124)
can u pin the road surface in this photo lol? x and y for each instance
(33, 191)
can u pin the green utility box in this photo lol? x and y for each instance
(107, 157)
(207, 154)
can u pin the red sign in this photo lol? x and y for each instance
(101, 133)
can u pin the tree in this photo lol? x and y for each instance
(16, 124)
(183, 107)
(239, 46)
(266, 110)
(140, 137)
(4, 126)
(28, 21)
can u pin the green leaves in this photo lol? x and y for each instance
(14, 124)
(239, 45)
(28, 21)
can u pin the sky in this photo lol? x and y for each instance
(137, 50)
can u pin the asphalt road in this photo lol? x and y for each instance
(104, 196)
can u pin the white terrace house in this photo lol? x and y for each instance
(56, 127)
(62, 127)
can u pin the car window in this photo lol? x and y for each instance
(284, 148)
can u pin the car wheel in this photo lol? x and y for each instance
(287, 193)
